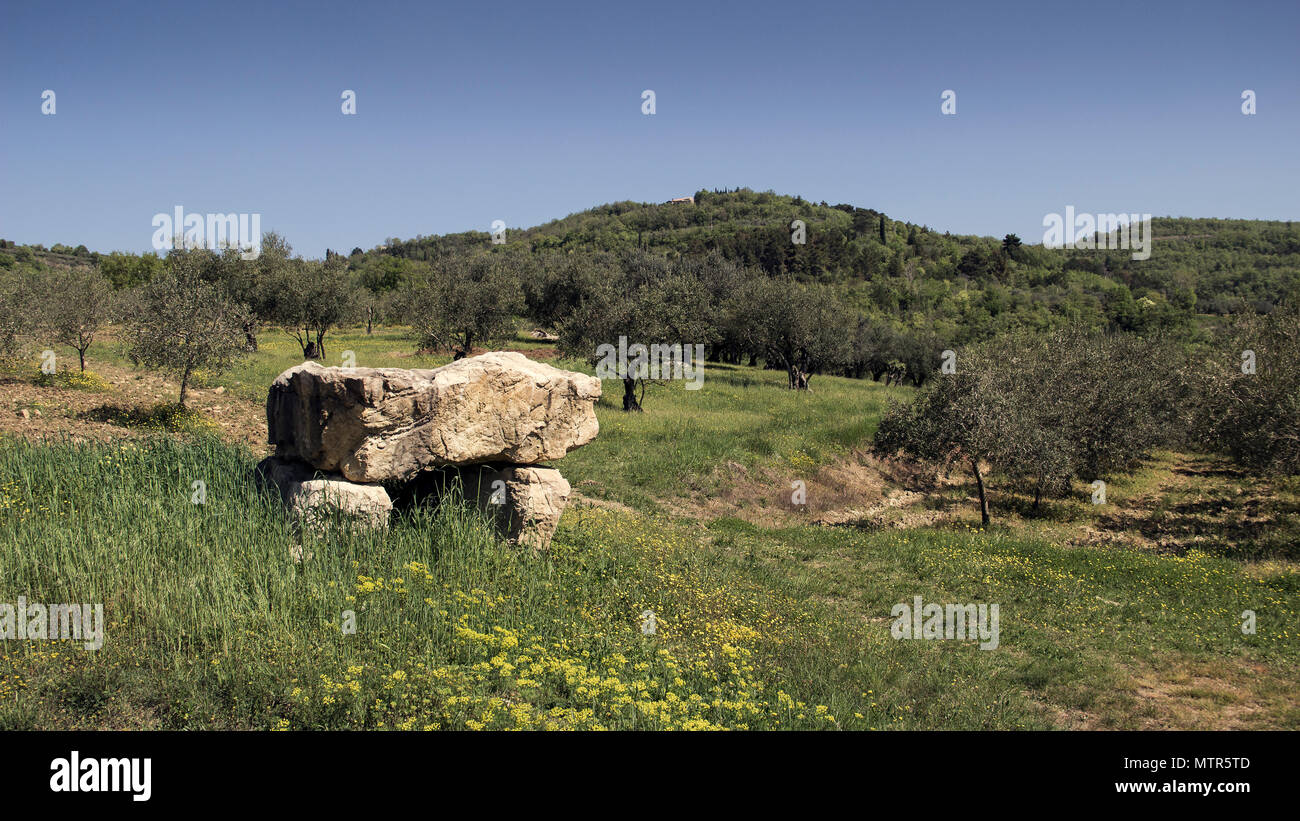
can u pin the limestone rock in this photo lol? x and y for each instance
(315, 496)
(377, 424)
(527, 504)
(524, 503)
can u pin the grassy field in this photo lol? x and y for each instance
(1124, 616)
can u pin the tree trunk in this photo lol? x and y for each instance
(984, 500)
(185, 381)
(798, 378)
(464, 350)
(370, 319)
(82, 353)
(630, 402)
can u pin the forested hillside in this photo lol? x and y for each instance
(808, 287)
(962, 287)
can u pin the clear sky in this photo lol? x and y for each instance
(528, 111)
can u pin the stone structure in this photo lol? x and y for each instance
(340, 432)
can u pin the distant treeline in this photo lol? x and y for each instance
(1068, 364)
(979, 285)
(862, 295)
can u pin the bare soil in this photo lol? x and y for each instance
(59, 412)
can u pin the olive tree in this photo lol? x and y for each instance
(646, 300)
(1046, 409)
(464, 301)
(18, 314)
(74, 304)
(179, 323)
(803, 328)
(311, 297)
(960, 417)
(1250, 392)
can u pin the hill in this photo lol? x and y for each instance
(956, 288)
(964, 287)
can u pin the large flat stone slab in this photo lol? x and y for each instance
(378, 424)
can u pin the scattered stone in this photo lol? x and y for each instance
(525, 502)
(535, 497)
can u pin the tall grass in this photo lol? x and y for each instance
(211, 622)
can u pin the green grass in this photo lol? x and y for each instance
(212, 624)
(1074, 620)
(683, 442)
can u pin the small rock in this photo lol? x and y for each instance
(313, 494)
(527, 505)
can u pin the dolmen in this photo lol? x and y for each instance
(345, 437)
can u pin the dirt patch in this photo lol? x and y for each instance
(37, 412)
(900, 508)
(576, 498)
(1201, 503)
(860, 490)
(1221, 694)
(534, 353)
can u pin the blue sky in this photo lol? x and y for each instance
(526, 112)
